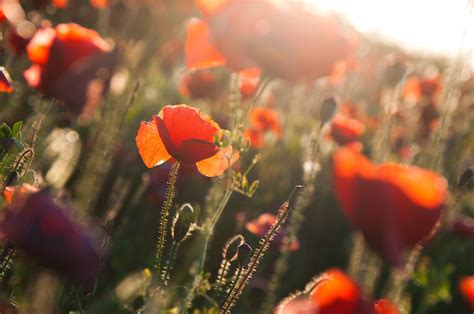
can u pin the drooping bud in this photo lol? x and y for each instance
(395, 69)
(184, 223)
(244, 252)
(328, 108)
(230, 251)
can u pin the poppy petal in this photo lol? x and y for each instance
(195, 150)
(217, 164)
(150, 145)
(199, 52)
(5, 81)
(186, 123)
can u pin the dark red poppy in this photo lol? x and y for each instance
(418, 87)
(40, 230)
(187, 135)
(345, 130)
(394, 206)
(263, 223)
(67, 61)
(5, 81)
(273, 36)
(263, 120)
(3, 18)
(201, 83)
(466, 287)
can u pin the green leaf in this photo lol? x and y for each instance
(5, 131)
(16, 128)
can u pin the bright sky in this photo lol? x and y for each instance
(428, 26)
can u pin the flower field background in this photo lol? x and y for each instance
(229, 156)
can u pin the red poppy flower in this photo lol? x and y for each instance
(248, 82)
(394, 206)
(2, 16)
(269, 34)
(345, 130)
(66, 61)
(5, 81)
(187, 135)
(429, 87)
(39, 229)
(466, 287)
(334, 292)
(262, 120)
(201, 83)
(17, 42)
(263, 223)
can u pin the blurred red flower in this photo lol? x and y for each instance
(418, 87)
(262, 120)
(345, 130)
(66, 61)
(333, 292)
(394, 206)
(463, 227)
(271, 35)
(263, 223)
(5, 81)
(99, 4)
(466, 287)
(187, 135)
(40, 229)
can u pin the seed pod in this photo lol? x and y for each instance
(328, 109)
(184, 223)
(244, 252)
(231, 248)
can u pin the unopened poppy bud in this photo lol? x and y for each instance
(328, 109)
(245, 144)
(395, 70)
(466, 177)
(244, 252)
(183, 223)
(230, 251)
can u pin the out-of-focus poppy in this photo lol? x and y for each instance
(67, 62)
(5, 81)
(262, 121)
(201, 83)
(428, 87)
(38, 228)
(466, 287)
(394, 206)
(2, 16)
(263, 223)
(187, 135)
(334, 292)
(248, 82)
(345, 130)
(273, 36)
(429, 119)
(60, 3)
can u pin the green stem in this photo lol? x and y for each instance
(164, 217)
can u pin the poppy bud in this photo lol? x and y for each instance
(395, 70)
(466, 178)
(328, 108)
(243, 256)
(230, 251)
(184, 223)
